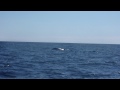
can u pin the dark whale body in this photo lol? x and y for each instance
(58, 49)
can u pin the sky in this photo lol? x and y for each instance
(61, 26)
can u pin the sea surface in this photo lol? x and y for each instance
(37, 60)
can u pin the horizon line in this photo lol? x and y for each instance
(58, 42)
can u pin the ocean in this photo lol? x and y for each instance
(37, 60)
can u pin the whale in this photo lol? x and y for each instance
(62, 49)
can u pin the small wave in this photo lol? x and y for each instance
(4, 54)
(7, 74)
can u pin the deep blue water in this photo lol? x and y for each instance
(28, 60)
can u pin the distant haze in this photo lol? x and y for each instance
(61, 26)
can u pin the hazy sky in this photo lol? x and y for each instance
(61, 26)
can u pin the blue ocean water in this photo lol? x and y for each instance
(35, 60)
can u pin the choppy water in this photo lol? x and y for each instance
(25, 60)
